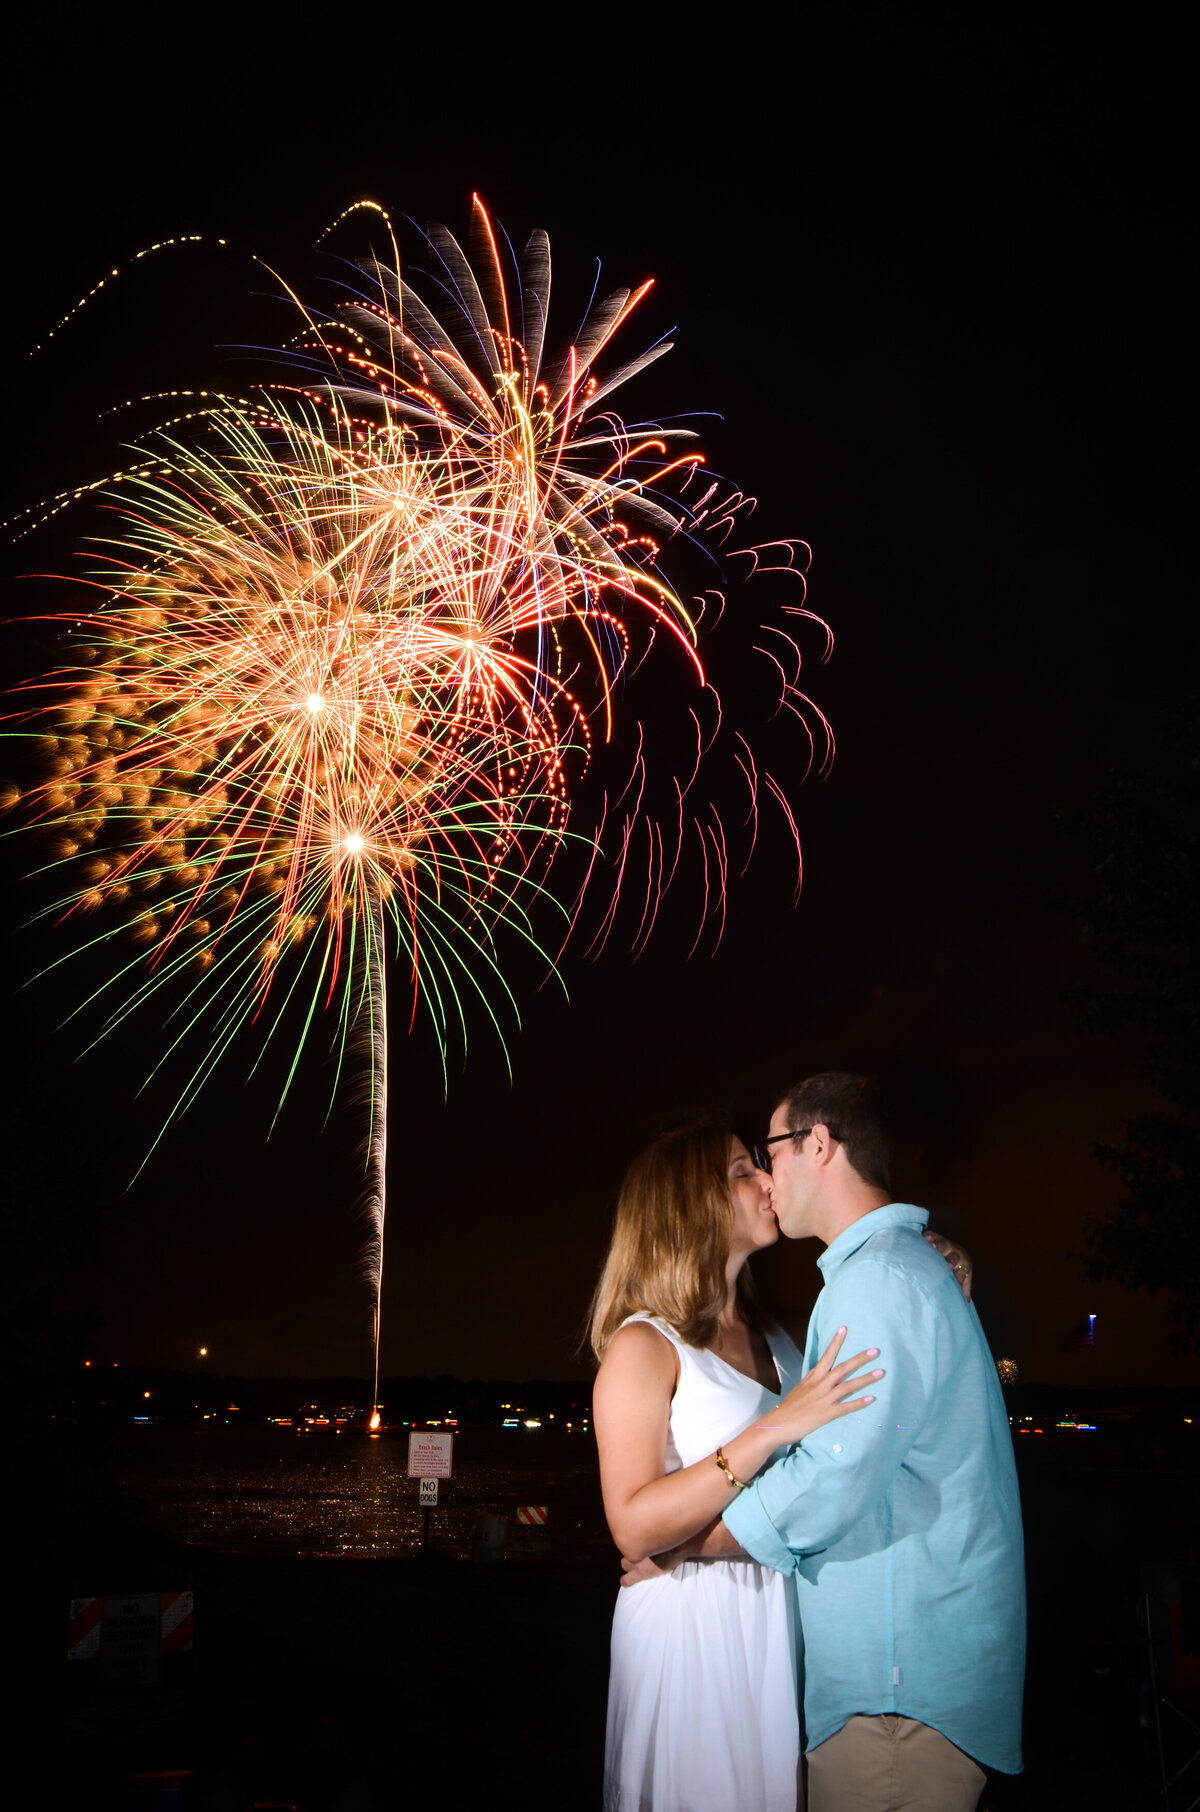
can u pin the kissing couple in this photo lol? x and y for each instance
(841, 1533)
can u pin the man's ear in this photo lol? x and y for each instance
(825, 1146)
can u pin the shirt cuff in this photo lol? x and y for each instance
(753, 1529)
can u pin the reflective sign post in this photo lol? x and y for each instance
(430, 1458)
(427, 1500)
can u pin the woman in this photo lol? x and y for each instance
(694, 1394)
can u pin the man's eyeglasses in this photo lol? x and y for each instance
(762, 1153)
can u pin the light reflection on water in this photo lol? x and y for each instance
(263, 1490)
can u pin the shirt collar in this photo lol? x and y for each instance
(896, 1214)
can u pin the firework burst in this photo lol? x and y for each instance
(349, 646)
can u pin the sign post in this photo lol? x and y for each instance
(430, 1458)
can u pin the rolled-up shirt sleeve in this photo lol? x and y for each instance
(813, 1495)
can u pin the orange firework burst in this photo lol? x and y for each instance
(336, 679)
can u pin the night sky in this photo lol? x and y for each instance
(927, 276)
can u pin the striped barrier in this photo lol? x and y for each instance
(531, 1530)
(177, 1625)
(178, 1622)
(83, 1628)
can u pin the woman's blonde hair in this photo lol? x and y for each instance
(671, 1240)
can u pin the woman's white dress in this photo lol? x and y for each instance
(702, 1695)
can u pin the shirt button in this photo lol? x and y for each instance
(837, 1446)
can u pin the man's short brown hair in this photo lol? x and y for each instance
(849, 1106)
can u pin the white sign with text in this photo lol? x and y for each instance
(430, 1454)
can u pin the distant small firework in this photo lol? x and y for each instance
(350, 644)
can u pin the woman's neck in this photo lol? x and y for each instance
(731, 1315)
(730, 1320)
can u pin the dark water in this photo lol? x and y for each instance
(258, 1489)
(261, 1490)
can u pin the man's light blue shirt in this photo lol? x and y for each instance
(901, 1523)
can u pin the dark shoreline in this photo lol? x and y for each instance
(433, 1677)
(486, 1684)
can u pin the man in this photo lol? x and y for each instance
(901, 1524)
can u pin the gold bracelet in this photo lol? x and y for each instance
(738, 1484)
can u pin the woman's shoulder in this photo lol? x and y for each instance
(646, 1331)
(643, 1340)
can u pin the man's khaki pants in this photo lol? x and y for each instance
(891, 1764)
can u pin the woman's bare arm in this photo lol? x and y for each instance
(649, 1509)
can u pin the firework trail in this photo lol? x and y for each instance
(341, 674)
(375, 1021)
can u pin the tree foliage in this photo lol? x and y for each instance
(1144, 843)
